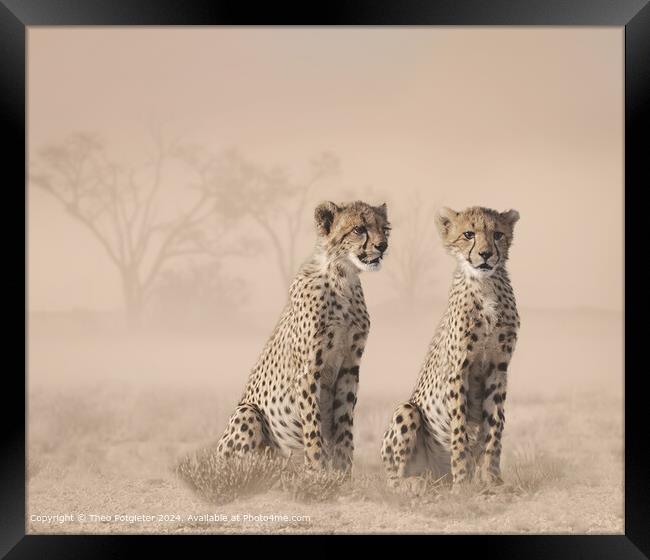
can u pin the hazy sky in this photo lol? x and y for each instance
(528, 118)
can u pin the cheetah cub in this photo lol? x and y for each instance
(302, 392)
(454, 419)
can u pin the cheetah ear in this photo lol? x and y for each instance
(510, 217)
(444, 219)
(383, 211)
(324, 216)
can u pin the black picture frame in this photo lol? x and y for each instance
(633, 15)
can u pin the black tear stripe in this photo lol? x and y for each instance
(365, 244)
(496, 248)
(344, 236)
(469, 256)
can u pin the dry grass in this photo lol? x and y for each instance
(533, 472)
(307, 485)
(148, 451)
(222, 480)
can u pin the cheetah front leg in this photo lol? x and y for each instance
(400, 442)
(457, 409)
(345, 399)
(489, 469)
(309, 403)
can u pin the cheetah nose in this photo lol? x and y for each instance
(485, 254)
(381, 246)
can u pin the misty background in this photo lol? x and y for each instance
(174, 172)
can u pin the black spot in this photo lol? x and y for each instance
(503, 366)
(399, 419)
(404, 429)
(350, 397)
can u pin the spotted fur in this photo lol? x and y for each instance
(454, 419)
(302, 392)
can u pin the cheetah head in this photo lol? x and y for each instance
(355, 233)
(478, 237)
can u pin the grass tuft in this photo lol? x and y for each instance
(222, 480)
(308, 485)
(530, 472)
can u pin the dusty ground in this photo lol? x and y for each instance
(95, 454)
(107, 445)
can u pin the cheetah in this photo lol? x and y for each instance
(454, 419)
(302, 392)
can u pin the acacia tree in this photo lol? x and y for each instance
(123, 209)
(273, 200)
(412, 246)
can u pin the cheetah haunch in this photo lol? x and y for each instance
(454, 418)
(302, 391)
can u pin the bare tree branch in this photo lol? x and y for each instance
(119, 210)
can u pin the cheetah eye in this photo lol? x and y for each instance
(498, 235)
(387, 230)
(469, 235)
(359, 230)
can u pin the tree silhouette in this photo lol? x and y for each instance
(275, 202)
(124, 209)
(412, 246)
